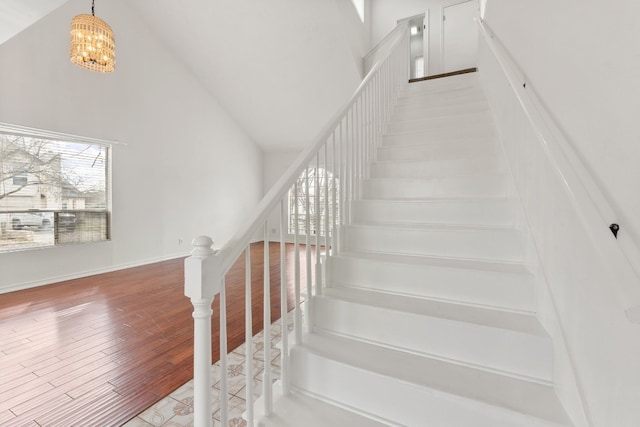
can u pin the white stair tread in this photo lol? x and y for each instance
(432, 168)
(533, 398)
(489, 210)
(297, 409)
(439, 111)
(432, 226)
(473, 175)
(452, 114)
(449, 262)
(485, 129)
(473, 184)
(411, 162)
(440, 199)
(510, 286)
(429, 144)
(518, 321)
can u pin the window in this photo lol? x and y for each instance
(53, 190)
(327, 190)
(20, 177)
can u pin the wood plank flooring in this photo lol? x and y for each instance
(99, 350)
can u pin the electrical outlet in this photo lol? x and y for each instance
(179, 241)
(273, 231)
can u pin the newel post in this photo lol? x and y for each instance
(201, 284)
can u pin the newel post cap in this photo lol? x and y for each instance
(202, 275)
(202, 247)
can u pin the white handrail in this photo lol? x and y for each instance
(353, 133)
(234, 247)
(623, 257)
(387, 42)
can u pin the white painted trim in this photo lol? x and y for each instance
(87, 273)
(6, 128)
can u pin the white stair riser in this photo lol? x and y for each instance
(401, 402)
(472, 244)
(442, 91)
(442, 150)
(443, 167)
(460, 186)
(404, 114)
(496, 289)
(444, 98)
(500, 349)
(427, 136)
(460, 120)
(447, 211)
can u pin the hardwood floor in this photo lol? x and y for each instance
(97, 351)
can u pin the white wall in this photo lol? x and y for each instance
(386, 13)
(581, 58)
(275, 164)
(591, 284)
(187, 168)
(281, 68)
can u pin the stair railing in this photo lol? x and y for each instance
(343, 150)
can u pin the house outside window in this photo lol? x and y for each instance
(52, 190)
(20, 177)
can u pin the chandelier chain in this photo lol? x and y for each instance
(93, 6)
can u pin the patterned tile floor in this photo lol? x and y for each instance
(176, 410)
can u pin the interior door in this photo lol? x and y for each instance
(459, 36)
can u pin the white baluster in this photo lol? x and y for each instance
(378, 123)
(317, 206)
(200, 265)
(224, 387)
(266, 375)
(334, 199)
(349, 167)
(308, 302)
(248, 336)
(359, 150)
(326, 203)
(343, 187)
(297, 320)
(284, 328)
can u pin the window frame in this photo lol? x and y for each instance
(334, 185)
(58, 217)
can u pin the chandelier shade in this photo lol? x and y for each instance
(92, 44)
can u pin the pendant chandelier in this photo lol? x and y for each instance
(92, 43)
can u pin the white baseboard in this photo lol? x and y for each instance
(87, 273)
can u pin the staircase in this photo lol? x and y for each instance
(427, 317)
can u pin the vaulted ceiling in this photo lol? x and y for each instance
(16, 15)
(280, 68)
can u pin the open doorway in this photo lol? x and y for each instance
(418, 58)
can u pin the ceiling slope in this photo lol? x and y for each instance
(280, 68)
(16, 15)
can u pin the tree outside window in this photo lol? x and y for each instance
(322, 190)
